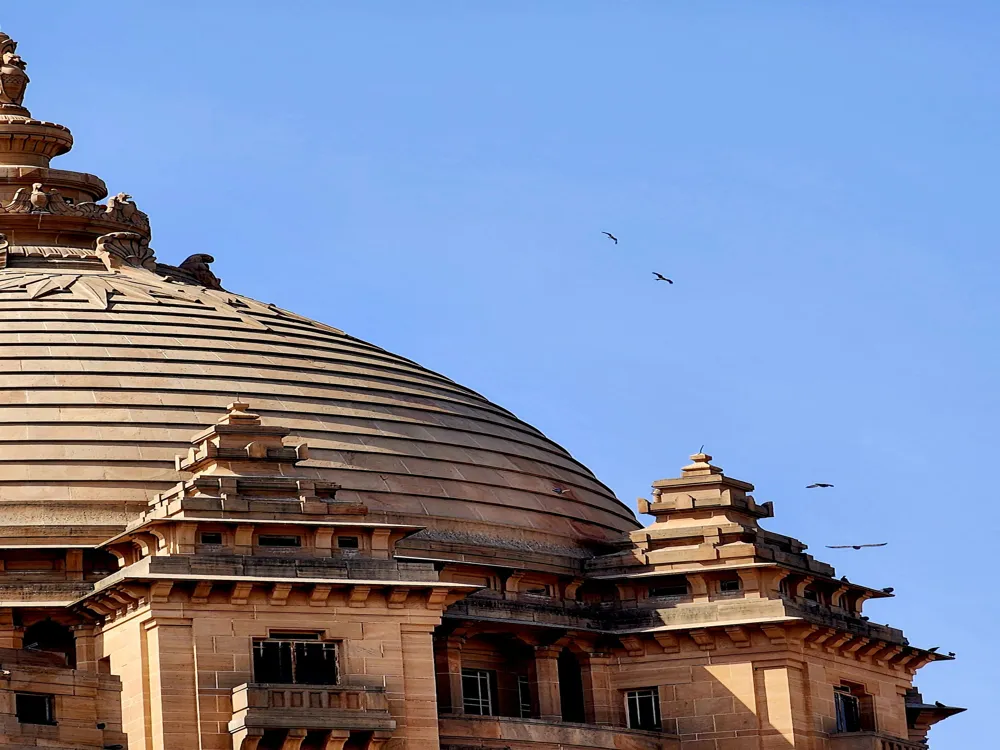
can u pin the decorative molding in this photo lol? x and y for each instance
(198, 266)
(739, 635)
(128, 248)
(120, 209)
(668, 642)
(4, 247)
(13, 79)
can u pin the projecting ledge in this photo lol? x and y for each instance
(490, 732)
(871, 741)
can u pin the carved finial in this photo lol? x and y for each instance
(198, 266)
(238, 414)
(701, 467)
(13, 79)
(126, 248)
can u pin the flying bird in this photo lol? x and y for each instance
(611, 237)
(854, 546)
(661, 277)
(818, 484)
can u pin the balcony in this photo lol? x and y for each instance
(265, 706)
(871, 741)
(495, 732)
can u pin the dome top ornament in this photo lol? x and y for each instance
(13, 79)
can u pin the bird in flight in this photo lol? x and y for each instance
(611, 237)
(818, 484)
(854, 546)
(661, 277)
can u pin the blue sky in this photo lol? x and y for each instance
(819, 179)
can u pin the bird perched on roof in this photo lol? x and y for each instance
(888, 590)
(854, 546)
(660, 277)
(844, 579)
(951, 653)
(939, 704)
(817, 484)
(611, 237)
(561, 490)
(933, 649)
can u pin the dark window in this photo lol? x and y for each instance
(669, 586)
(729, 585)
(32, 708)
(297, 659)
(523, 696)
(274, 540)
(643, 708)
(212, 537)
(479, 689)
(571, 688)
(348, 542)
(538, 591)
(848, 710)
(810, 595)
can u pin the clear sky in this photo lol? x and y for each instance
(819, 179)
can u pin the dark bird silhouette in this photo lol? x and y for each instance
(101, 725)
(951, 653)
(660, 277)
(939, 704)
(561, 490)
(933, 649)
(818, 484)
(843, 579)
(854, 546)
(611, 237)
(888, 590)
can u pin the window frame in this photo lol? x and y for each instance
(635, 721)
(842, 697)
(294, 660)
(524, 696)
(482, 677)
(50, 708)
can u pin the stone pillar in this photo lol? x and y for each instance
(11, 635)
(86, 648)
(782, 707)
(547, 680)
(417, 643)
(173, 689)
(448, 671)
(597, 689)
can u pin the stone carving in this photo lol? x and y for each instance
(198, 266)
(34, 200)
(13, 79)
(4, 246)
(126, 248)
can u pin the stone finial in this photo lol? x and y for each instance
(701, 467)
(239, 415)
(13, 79)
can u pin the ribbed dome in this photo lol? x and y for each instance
(108, 374)
(112, 361)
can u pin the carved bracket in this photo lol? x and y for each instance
(125, 248)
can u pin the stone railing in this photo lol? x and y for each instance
(310, 707)
(530, 734)
(871, 741)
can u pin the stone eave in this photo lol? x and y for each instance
(714, 624)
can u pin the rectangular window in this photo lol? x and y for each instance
(848, 710)
(33, 708)
(669, 586)
(524, 696)
(348, 542)
(643, 708)
(730, 585)
(275, 540)
(299, 660)
(211, 537)
(479, 691)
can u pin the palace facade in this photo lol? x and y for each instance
(226, 527)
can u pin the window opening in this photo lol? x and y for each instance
(524, 696)
(669, 586)
(571, 688)
(274, 540)
(848, 710)
(478, 691)
(642, 707)
(348, 542)
(730, 585)
(295, 659)
(33, 708)
(211, 537)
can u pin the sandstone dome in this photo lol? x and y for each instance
(111, 361)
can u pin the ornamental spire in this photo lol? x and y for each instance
(13, 79)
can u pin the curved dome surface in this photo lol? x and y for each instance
(107, 374)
